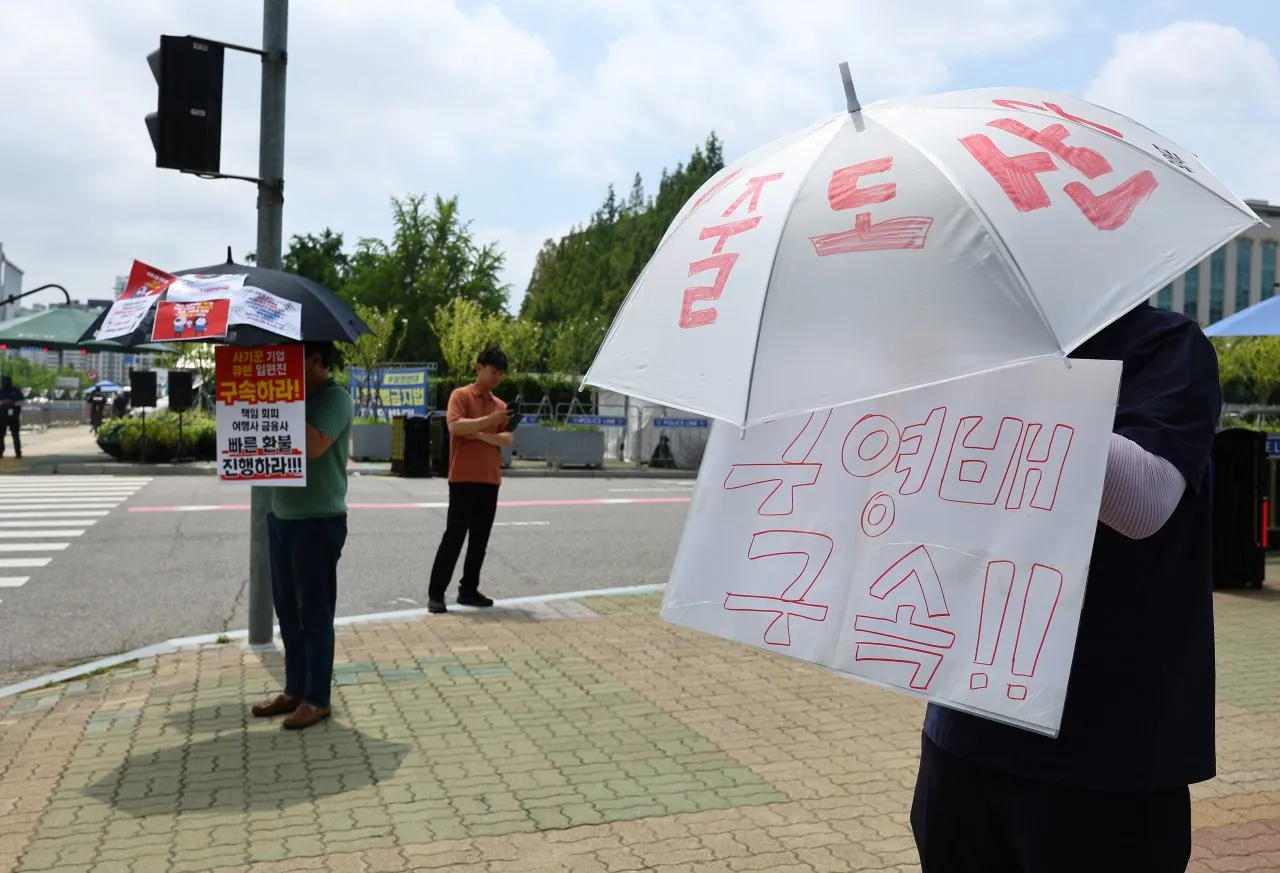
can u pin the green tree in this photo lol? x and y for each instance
(588, 272)
(1249, 368)
(462, 329)
(574, 343)
(370, 352)
(320, 258)
(431, 259)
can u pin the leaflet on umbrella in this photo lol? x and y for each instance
(936, 541)
(254, 306)
(204, 307)
(140, 293)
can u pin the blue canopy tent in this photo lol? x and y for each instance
(1261, 319)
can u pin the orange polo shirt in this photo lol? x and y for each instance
(473, 460)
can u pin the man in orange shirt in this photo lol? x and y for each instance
(477, 432)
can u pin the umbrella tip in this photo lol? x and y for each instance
(850, 95)
(229, 259)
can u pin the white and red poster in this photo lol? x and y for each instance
(261, 415)
(143, 289)
(935, 541)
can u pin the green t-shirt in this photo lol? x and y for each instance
(329, 410)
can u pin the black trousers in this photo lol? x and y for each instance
(304, 589)
(968, 819)
(12, 424)
(472, 506)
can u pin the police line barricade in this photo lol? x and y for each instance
(690, 441)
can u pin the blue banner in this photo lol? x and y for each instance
(679, 422)
(1273, 447)
(397, 390)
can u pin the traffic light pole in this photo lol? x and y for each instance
(275, 29)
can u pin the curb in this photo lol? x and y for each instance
(180, 643)
(81, 468)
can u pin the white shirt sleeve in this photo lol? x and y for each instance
(1140, 491)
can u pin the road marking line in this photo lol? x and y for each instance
(33, 547)
(520, 523)
(647, 490)
(509, 504)
(25, 562)
(54, 522)
(23, 485)
(23, 534)
(84, 513)
(13, 581)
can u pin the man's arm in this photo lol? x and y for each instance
(317, 442)
(1141, 490)
(330, 418)
(505, 438)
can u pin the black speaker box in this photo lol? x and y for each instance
(142, 389)
(182, 396)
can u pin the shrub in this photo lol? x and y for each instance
(121, 438)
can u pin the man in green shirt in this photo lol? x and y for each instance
(307, 529)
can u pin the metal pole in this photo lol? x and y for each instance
(275, 28)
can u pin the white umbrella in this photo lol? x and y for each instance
(908, 243)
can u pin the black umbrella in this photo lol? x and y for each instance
(324, 315)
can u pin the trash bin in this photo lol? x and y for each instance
(1237, 479)
(417, 447)
(439, 430)
(397, 445)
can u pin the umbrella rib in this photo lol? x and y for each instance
(773, 264)
(987, 224)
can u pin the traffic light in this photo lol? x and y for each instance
(186, 129)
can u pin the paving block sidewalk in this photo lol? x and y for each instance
(576, 735)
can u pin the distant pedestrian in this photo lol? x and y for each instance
(97, 409)
(307, 529)
(477, 423)
(1110, 792)
(11, 399)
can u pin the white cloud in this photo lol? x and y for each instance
(1209, 88)
(397, 96)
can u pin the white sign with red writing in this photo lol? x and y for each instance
(935, 541)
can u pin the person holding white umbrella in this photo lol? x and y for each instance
(1110, 792)
(919, 241)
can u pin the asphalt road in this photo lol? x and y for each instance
(164, 558)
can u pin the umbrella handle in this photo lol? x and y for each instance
(850, 95)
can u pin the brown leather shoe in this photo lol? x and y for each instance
(282, 704)
(305, 716)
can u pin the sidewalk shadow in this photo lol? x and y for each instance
(249, 771)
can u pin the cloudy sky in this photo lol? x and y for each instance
(528, 109)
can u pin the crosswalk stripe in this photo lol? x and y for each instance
(84, 513)
(51, 522)
(40, 516)
(23, 534)
(33, 506)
